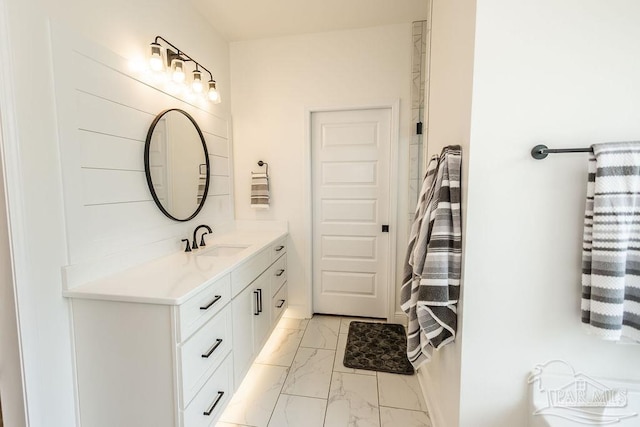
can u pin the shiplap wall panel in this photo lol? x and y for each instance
(106, 220)
(111, 152)
(105, 186)
(121, 88)
(219, 207)
(219, 186)
(104, 113)
(216, 145)
(111, 118)
(219, 166)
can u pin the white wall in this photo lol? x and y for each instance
(449, 123)
(11, 390)
(33, 168)
(564, 73)
(274, 80)
(11, 369)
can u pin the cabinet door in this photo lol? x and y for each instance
(243, 306)
(262, 315)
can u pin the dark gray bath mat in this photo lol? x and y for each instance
(377, 347)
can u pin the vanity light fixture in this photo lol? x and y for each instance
(175, 60)
(212, 93)
(155, 60)
(177, 70)
(196, 83)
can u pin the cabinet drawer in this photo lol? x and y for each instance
(278, 273)
(279, 303)
(201, 307)
(278, 248)
(211, 399)
(203, 352)
(248, 272)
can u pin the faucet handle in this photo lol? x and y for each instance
(188, 248)
(202, 243)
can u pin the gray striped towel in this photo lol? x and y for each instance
(259, 190)
(431, 284)
(611, 245)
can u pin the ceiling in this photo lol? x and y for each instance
(254, 19)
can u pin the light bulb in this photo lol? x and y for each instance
(196, 85)
(213, 94)
(155, 60)
(177, 67)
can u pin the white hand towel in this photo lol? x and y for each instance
(259, 190)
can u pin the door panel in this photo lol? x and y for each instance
(348, 247)
(352, 211)
(349, 173)
(350, 151)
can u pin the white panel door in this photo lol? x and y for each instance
(350, 152)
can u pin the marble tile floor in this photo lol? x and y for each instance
(298, 380)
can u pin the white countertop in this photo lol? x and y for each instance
(175, 278)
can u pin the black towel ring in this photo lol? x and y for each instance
(261, 163)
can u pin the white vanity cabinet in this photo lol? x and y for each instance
(253, 313)
(250, 325)
(144, 365)
(170, 353)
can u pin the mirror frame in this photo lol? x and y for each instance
(147, 169)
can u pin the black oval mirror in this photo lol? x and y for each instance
(176, 163)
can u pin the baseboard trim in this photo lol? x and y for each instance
(432, 408)
(399, 317)
(298, 311)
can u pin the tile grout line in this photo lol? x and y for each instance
(279, 394)
(286, 378)
(333, 365)
(405, 409)
(378, 399)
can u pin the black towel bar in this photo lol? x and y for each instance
(540, 152)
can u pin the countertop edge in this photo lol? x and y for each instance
(85, 292)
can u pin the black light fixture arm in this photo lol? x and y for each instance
(180, 54)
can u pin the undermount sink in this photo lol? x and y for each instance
(223, 250)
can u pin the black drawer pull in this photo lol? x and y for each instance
(280, 272)
(215, 300)
(212, 349)
(215, 403)
(260, 301)
(281, 304)
(279, 248)
(257, 312)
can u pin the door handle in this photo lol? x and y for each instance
(259, 301)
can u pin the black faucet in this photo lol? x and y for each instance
(195, 238)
